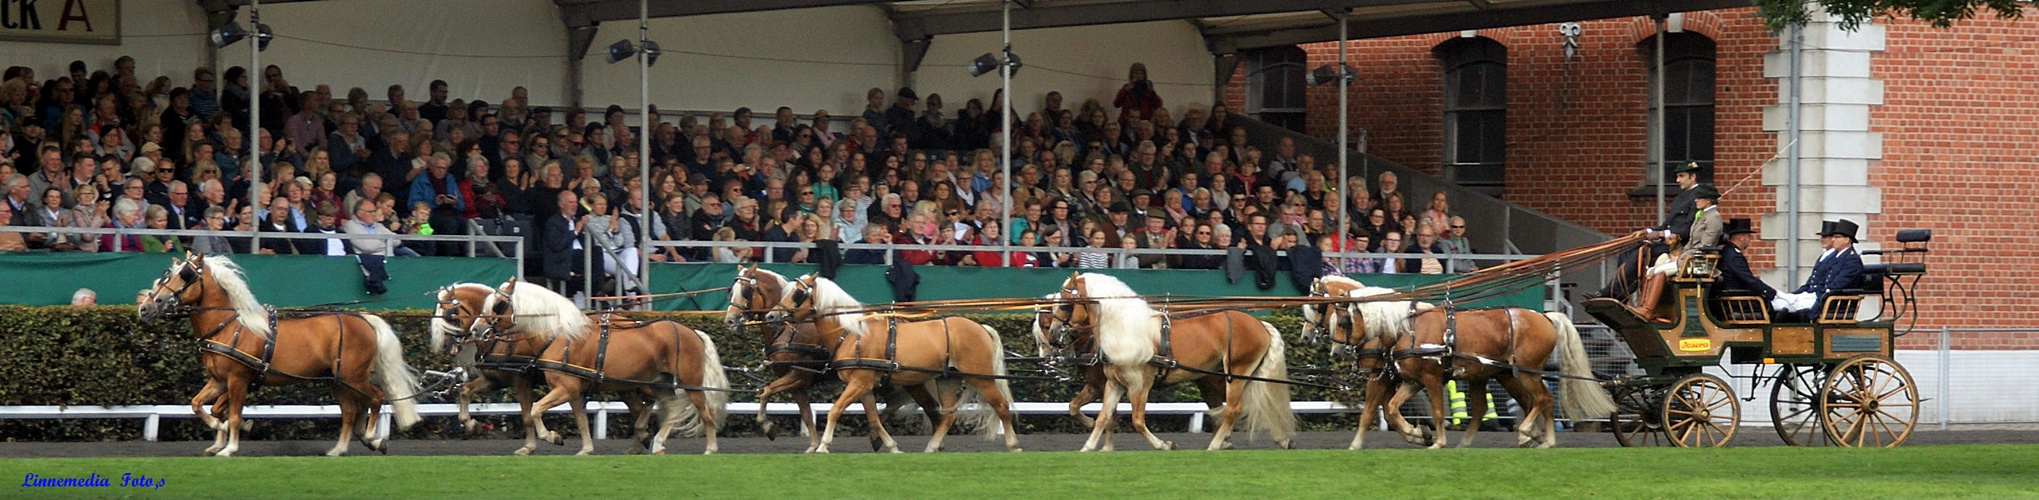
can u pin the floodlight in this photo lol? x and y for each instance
(1327, 74)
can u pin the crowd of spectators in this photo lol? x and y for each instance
(107, 149)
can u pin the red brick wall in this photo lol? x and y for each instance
(1960, 128)
(1960, 125)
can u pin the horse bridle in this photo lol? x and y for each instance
(502, 310)
(1063, 334)
(185, 273)
(449, 309)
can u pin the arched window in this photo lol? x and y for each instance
(1475, 112)
(1687, 106)
(1275, 86)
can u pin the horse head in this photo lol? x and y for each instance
(754, 293)
(1320, 318)
(182, 284)
(798, 305)
(455, 309)
(498, 312)
(1070, 314)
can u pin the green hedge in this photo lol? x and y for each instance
(106, 356)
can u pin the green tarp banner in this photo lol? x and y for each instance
(278, 280)
(869, 285)
(297, 281)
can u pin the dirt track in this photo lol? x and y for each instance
(1748, 436)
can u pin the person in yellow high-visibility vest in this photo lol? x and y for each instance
(1458, 404)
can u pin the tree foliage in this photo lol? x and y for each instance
(1779, 14)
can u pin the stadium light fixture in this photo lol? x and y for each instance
(987, 63)
(623, 49)
(232, 32)
(1327, 74)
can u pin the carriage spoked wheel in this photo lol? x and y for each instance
(1795, 404)
(1636, 421)
(1700, 411)
(1870, 401)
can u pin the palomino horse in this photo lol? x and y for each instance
(1432, 345)
(1080, 348)
(242, 344)
(654, 360)
(1370, 344)
(494, 363)
(876, 351)
(795, 352)
(1144, 348)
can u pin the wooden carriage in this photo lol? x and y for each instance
(1834, 379)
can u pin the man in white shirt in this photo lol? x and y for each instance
(368, 220)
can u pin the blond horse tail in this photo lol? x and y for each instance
(395, 377)
(1266, 404)
(713, 377)
(1582, 398)
(972, 411)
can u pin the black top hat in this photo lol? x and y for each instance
(1738, 226)
(907, 92)
(1690, 166)
(1707, 192)
(1843, 227)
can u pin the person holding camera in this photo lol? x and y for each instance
(1137, 99)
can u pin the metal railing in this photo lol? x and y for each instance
(389, 240)
(153, 415)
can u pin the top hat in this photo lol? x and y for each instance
(907, 92)
(1843, 227)
(1738, 226)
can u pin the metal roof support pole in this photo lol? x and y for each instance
(644, 132)
(255, 80)
(1005, 137)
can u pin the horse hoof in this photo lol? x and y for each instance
(877, 444)
(522, 451)
(473, 426)
(1170, 445)
(247, 425)
(1015, 450)
(710, 451)
(1287, 444)
(659, 452)
(556, 439)
(225, 454)
(212, 450)
(821, 450)
(335, 452)
(584, 453)
(771, 431)
(637, 451)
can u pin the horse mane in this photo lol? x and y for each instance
(829, 298)
(1386, 318)
(1128, 328)
(228, 276)
(545, 313)
(1329, 279)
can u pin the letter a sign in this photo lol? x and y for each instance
(61, 21)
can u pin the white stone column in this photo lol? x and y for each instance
(1836, 145)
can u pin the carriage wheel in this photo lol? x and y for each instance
(1700, 411)
(1634, 422)
(1871, 401)
(1794, 404)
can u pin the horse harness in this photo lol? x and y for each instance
(890, 364)
(601, 357)
(264, 366)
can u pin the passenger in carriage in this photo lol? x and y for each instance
(1839, 267)
(1735, 277)
(1678, 220)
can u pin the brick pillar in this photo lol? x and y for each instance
(1836, 145)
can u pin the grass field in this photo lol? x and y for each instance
(1997, 471)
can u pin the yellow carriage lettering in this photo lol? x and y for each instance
(1695, 345)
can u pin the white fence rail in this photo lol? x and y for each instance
(600, 411)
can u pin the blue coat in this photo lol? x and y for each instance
(1836, 272)
(1735, 274)
(421, 190)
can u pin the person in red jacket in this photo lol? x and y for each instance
(1137, 99)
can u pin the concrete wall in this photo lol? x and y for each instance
(482, 48)
(163, 37)
(808, 59)
(1081, 62)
